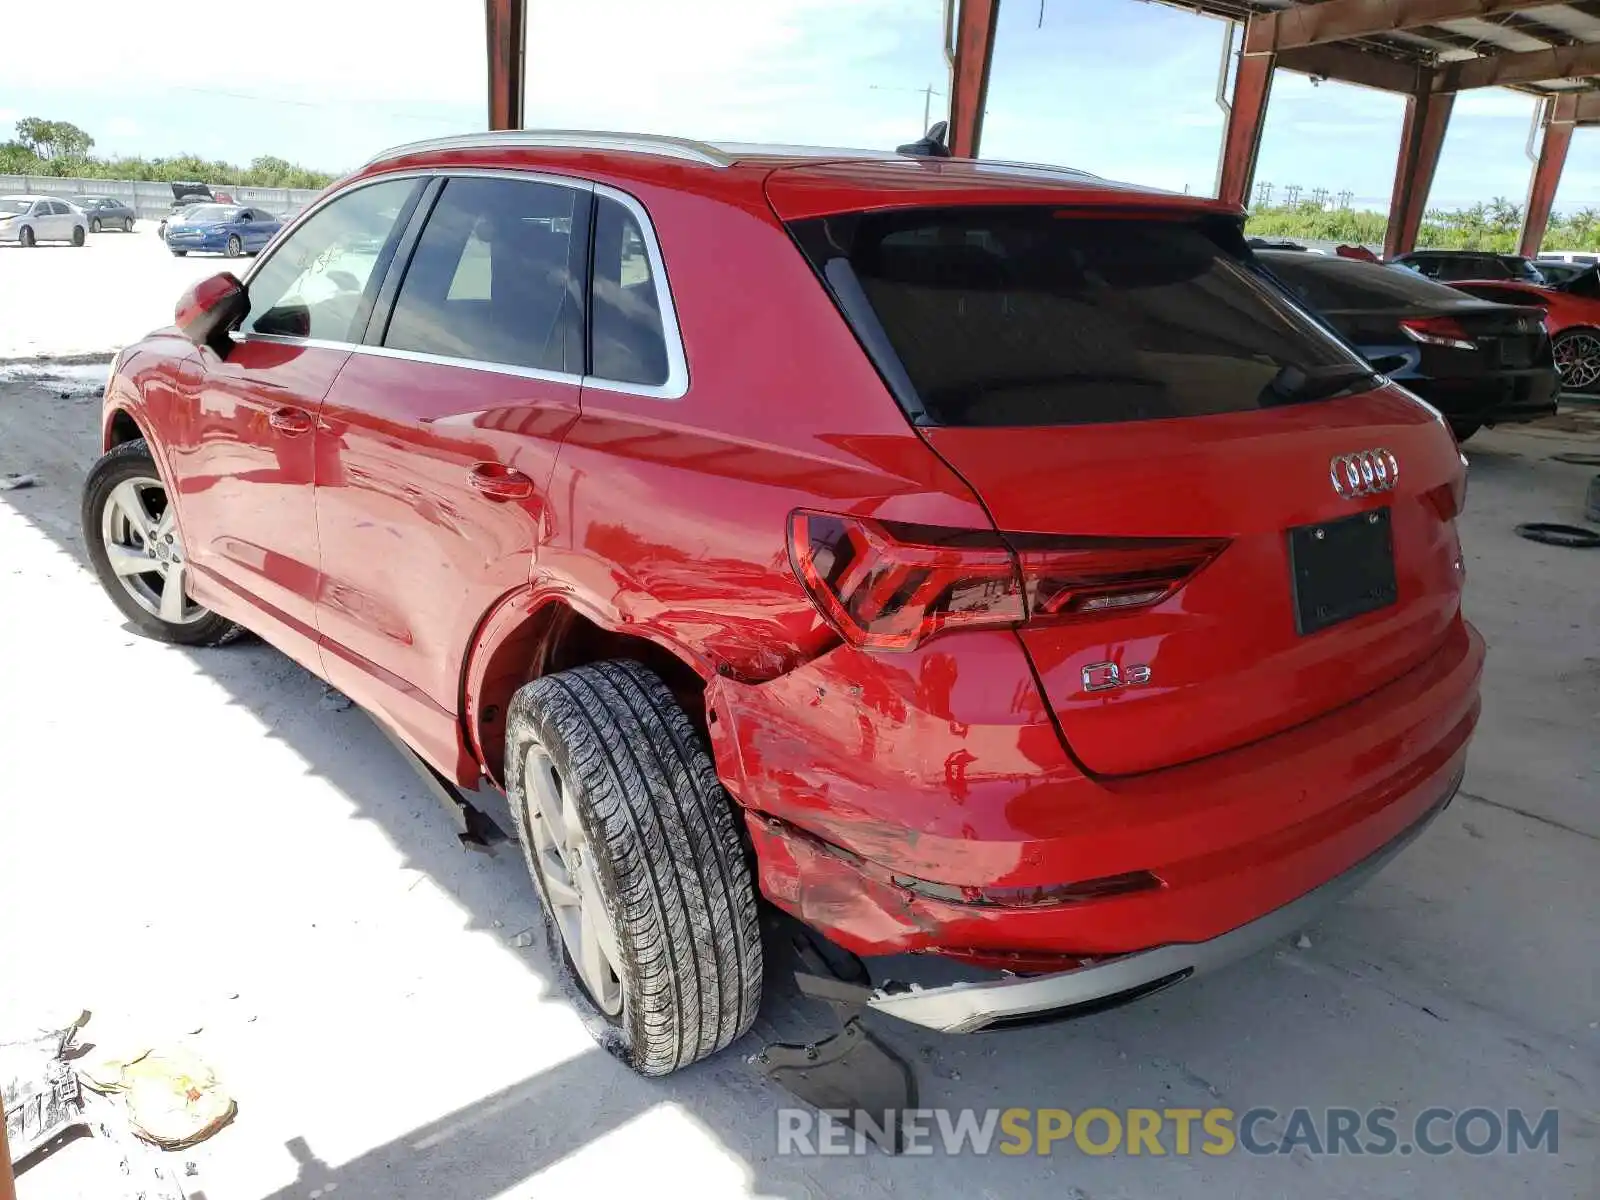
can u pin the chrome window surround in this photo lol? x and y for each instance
(677, 383)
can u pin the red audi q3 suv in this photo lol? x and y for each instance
(970, 559)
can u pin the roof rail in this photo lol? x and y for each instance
(566, 139)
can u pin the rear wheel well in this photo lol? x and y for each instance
(558, 638)
(123, 429)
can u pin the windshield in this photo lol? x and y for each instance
(1343, 284)
(1034, 316)
(205, 214)
(12, 207)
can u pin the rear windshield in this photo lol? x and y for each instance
(1342, 284)
(1037, 316)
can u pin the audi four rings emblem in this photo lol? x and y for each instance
(1364, 473)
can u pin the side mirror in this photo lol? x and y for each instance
(210, 309)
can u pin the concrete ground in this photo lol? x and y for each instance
(59, 299)
(200, 846)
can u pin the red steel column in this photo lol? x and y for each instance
(506, 24)
(1547, 175)
(1421, 139)
(969, 74)
(1252, 85)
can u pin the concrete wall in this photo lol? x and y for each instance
(152, 200)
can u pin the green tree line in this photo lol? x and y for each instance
(1491, 226)
(61, 149)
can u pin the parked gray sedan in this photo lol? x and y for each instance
(106, 212)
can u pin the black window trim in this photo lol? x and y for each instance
(378, 325)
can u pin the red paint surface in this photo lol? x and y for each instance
(1254, 766)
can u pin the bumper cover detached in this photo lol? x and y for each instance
(975, 1006)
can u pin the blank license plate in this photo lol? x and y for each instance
(1341, 569)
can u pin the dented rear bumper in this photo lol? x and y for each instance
(971, 1007)
(865, 779)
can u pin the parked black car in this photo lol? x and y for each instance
(106, 212)
(1446, 265)
(1477, 362)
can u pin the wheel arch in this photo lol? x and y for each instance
(120, 426)
(537, 631)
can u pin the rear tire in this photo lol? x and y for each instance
(1465, 429)
(634, 848)
(126, 518)
(26, 237)
(1577, 355)
(179, 253)
(78, 237)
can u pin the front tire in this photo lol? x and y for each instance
(632, 844)
(26, 238)
(235, 246)
(179, 253)
(127, 224)
(131, 531)
(94, 225)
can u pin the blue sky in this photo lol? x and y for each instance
(1118, 87)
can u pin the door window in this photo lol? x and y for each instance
(497, 277)
(629, 345)
(314, 281)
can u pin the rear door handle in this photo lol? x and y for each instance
(293, 421)
(500, 483)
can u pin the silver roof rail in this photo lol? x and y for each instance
(566, 139)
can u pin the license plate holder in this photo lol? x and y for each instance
(1341, 569)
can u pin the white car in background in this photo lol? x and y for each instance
(28, 220)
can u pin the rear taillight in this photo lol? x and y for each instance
(886, 586)
(1438, 331)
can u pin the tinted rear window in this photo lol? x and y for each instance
(1035, 316)
(1335, 284)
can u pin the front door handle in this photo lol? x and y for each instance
(500, 483)
(292, 421)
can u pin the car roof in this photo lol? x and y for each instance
(799, 181)
(24, 196)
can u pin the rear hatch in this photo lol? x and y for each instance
(1125, 385)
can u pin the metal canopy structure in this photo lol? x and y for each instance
(1425, 50)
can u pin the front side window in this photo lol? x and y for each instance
(313, 283)
(1026, 316)
(629, 343)
(497, 277)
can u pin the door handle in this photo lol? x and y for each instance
(500, 483)
(293, 421)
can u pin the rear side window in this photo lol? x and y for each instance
(497, 277)
(1341, 284)
(629, 345)
(1034, 316)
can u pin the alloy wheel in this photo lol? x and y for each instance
(139, 530)
(560, 856)
(1578, 360)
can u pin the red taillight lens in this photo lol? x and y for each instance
(886, 586)
(1438, 331)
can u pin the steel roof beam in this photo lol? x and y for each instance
(1498, 70)
(1351, 65)
(1339, 20)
